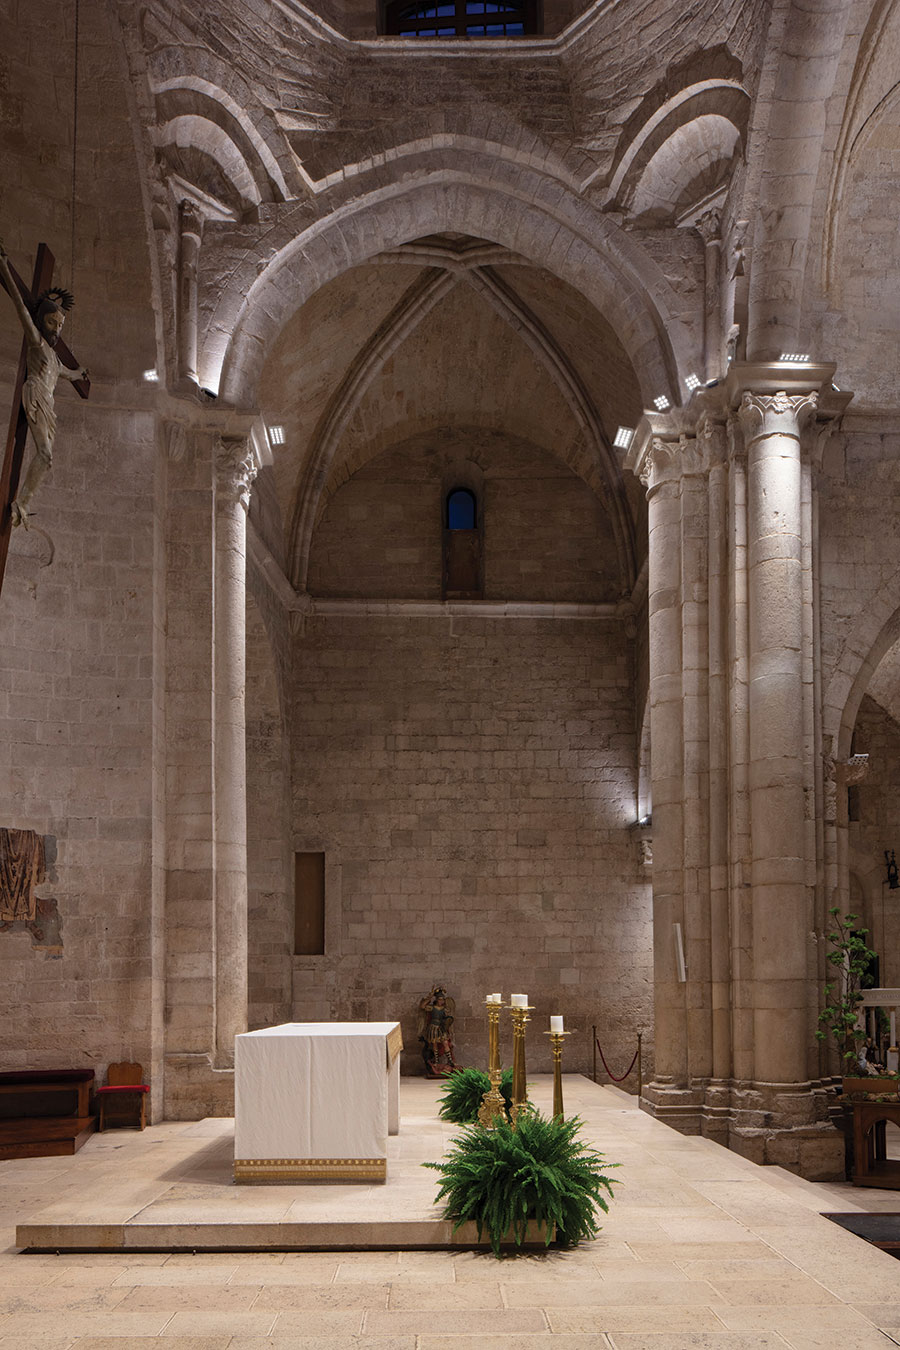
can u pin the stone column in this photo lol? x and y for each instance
(190, 229)
(235, 471)
(772, 426)
(709, 228)
(712, 440)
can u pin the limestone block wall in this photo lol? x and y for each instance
(80, 619)
(471, 782)
(546, 536)
(859, 507)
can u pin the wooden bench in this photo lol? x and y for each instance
(45, 1112)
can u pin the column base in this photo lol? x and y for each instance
(194, 1089)
(780, 1124)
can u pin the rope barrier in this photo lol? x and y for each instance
(609, 1070)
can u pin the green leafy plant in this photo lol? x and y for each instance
(463, 1094)
(851, 958)
(538, 1170)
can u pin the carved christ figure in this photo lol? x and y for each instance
(43, 368)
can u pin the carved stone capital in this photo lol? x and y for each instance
(190, 218)
(709, 226)
(780, 414)
(236, 468)
(658, 463)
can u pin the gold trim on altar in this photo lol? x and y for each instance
(394, 1042)
(262, 1170)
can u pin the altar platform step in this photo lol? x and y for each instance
(170, 1189)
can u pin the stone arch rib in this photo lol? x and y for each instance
(609, 486)
(414, 305)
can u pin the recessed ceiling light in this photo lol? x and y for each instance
(151, 376)
(623, 438)
(276, 435)
(661, 403)
(796, 358)
(692, 381)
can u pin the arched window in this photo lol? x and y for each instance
(461, 510)
(461, 18)
(463, 574)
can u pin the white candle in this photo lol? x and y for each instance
(494, 998)
(556, 1025)
(519, 1000)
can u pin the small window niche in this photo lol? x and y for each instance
(309, 904)
(463, 569)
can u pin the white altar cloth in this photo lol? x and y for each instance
(315, 1101)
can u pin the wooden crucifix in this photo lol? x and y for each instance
(42, 345)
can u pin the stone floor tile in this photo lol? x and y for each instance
(792, 1292)
(466, 1322)
(833, 1318)
(31, 1326)
(59, 1299)
(178, 1297)
(533, 1341)
(349, 1295)
(151, 1343)
(324, 1273)
(760, 1268)
(850, 1340)
(427, 1296)
(747, 1249)
(700, 1340)
(882, 1314)
(633, 1317)
(293, 1341)
(206, 1322)
(604, 1293)
(171, 1276)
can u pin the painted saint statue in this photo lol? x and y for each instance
(44, 368)
(435, 1031)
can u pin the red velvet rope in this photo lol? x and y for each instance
(609, 1070)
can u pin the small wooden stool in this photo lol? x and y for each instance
(123, 1099)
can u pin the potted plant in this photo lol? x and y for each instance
(511, 1180)
(462, 1097)
(851, 958)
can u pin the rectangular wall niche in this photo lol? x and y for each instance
(309, 904)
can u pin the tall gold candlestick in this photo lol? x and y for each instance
(492, 1104)
(556, 1040)
(519, 1091)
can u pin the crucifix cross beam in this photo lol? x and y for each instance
(18, 424)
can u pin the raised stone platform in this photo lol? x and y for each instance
(171, 1189)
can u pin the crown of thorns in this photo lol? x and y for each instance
(58, 297)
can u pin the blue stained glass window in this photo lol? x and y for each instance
(461, 509)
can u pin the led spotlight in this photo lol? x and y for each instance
(276, 435)
(662, 403)
(692, 381)
(795, 358)
(151, 376)
(623, 438)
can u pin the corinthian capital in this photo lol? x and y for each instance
(776, 414)
(712, 439)
(236, 468)
(659, 461)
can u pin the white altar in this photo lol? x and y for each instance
(315, 1101)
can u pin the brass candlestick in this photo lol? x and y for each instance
(492, 1101)
(556, 1040)
(519, 1091)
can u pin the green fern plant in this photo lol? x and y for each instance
(502, 1179)
(463, 1094)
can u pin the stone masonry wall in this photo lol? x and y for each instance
(77, 622)
(471, 782)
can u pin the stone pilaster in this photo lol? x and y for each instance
(235, 470)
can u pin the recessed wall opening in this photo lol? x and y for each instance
(309, 904)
